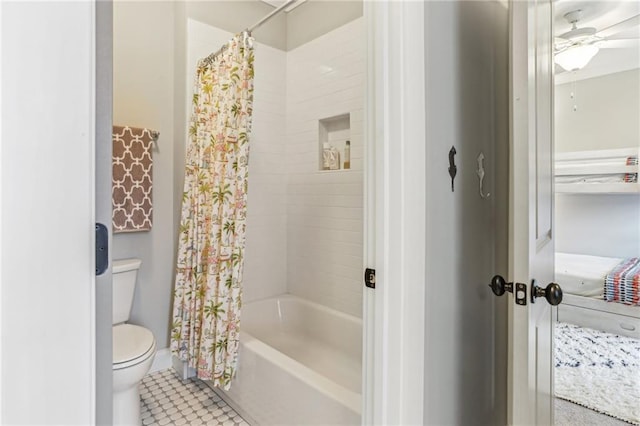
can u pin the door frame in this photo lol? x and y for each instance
(395, 219)
(517, 316)
(103, 169)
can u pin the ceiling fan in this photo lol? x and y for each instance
(574, 49)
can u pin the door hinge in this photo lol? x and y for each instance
(370, 278)
(102, 248)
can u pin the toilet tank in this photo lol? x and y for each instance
(125, 272)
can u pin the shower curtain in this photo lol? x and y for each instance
(208, 288)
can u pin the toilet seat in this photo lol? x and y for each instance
(132, 345)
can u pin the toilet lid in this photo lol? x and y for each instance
(130, 342)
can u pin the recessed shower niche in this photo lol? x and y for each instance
(334, 147)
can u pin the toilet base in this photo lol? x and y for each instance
(126, 407)
(127, 376)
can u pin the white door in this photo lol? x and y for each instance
(47, 229)
(531, 212)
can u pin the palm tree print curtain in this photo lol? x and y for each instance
(208, 288)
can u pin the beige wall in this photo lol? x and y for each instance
(143, 67)
(234, 16)
(306, 22)
(312, 19)
(607, 113)
(606, 117)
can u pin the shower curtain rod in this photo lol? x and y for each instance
(254, 26)
(271, 15)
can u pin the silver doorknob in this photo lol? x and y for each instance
(552, 292)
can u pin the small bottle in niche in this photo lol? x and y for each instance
(334, 162)
(347, 155)
(326, 156)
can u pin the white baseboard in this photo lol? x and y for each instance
(162, 361)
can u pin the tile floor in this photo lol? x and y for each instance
(167, 400)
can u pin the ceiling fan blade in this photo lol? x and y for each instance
(626, 35)
(560, 44)
(619, 44)
(625, 25)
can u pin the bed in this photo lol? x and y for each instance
(598, 171)
(582, 278)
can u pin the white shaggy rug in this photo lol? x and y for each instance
(598, 370)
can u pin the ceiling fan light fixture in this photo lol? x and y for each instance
(576, 57)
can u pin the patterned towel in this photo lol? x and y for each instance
(132, 184)
(622, 284)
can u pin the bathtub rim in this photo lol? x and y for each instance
(323, 308)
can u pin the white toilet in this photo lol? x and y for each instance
(133, 346)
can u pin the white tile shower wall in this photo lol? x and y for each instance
(265, 261)
(325, 78)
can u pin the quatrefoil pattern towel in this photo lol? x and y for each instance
(132, 179)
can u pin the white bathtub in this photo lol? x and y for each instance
(300, 363)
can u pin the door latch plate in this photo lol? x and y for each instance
(520, 294)
(370, 278)
(102, 248)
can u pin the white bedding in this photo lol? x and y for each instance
(606, 178)
(583, 275)
(597, 162)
